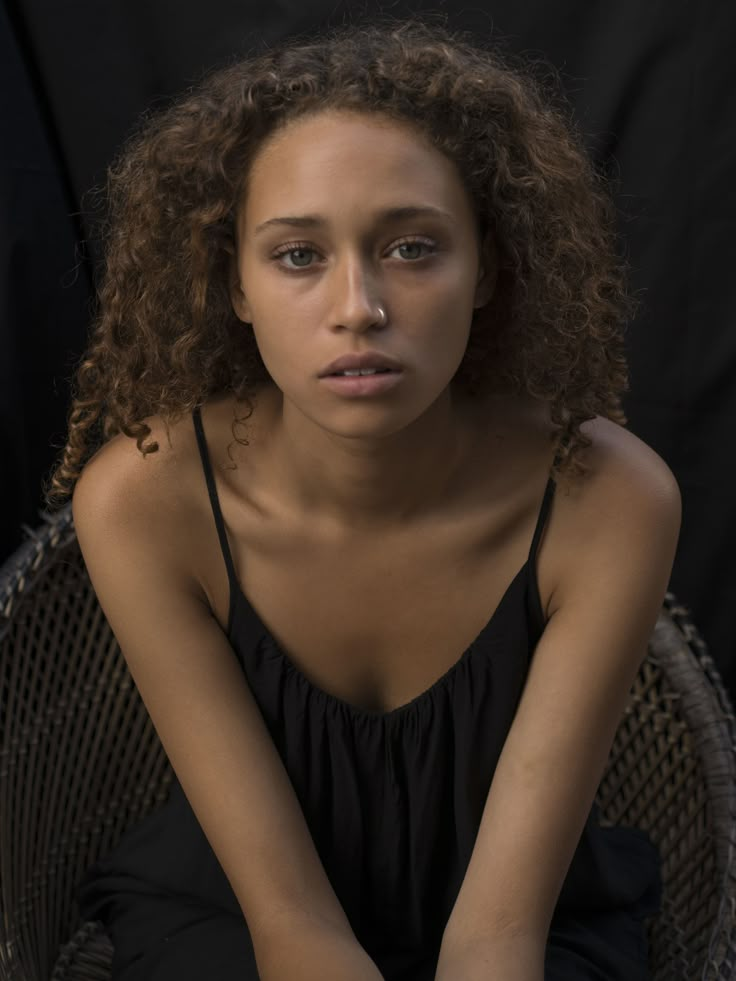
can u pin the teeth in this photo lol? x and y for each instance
(363, 371)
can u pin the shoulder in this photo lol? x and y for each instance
(156, 503)
(171, 477)
(160, 500)
(122, 484)
(622, 519)
(627, 481)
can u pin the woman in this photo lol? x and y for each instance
(387, 634)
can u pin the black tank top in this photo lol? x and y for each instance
(393, 800)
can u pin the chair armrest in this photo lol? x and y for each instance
(86, 957)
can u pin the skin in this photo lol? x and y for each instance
(380, 460)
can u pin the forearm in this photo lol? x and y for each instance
(311, 950)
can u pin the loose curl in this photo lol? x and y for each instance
(166, 336)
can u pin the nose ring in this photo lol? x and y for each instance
(381, 316)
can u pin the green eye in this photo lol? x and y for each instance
(409, 246)
(411, 249)
(297, 255)
(301, 256)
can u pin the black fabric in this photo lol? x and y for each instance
(44, 291)
(393, 802)
(654, 95)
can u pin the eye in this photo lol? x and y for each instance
(411, 248)
(297, 251)
(300, 254)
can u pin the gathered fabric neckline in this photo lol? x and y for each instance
(239, 600)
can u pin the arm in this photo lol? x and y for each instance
(615, 538)
(129, 518)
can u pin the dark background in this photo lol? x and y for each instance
(653, 86)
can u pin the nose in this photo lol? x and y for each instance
(356, 301)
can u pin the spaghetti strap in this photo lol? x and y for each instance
(541, 520)
(214, 500)
(545, 506)
(536, 610)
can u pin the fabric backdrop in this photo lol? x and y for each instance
(654, 93)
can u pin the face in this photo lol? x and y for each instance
(357, 235)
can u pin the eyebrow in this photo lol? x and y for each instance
(387, 215)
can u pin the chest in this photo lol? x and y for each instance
(376, 622)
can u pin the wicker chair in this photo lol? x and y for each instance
(80, 761)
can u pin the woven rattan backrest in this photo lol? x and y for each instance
(79, 759)
(672, 772)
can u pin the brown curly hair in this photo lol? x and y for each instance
(166, 337)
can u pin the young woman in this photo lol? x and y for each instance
(387, 632)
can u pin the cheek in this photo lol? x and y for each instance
(280, 349)
(446, 320)
(452, 290)
(438, 351)
(281, 304)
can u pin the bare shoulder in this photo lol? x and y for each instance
(154, 506)
(121, 484)
(624, 472)
(159, 501)
(622, 518)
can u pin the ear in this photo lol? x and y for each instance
(487, 272)
(239, 300)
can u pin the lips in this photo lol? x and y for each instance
(363, 387)
(355, 362)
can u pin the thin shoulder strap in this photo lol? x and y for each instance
(536, 611)
(544, 509)
(542, 519)
(214, 500)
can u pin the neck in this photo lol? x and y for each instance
(368, 482)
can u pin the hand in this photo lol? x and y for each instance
(487, 958)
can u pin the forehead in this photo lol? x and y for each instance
(338, 158)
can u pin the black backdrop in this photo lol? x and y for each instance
(653, 85)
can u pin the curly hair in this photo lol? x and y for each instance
(166, 337)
